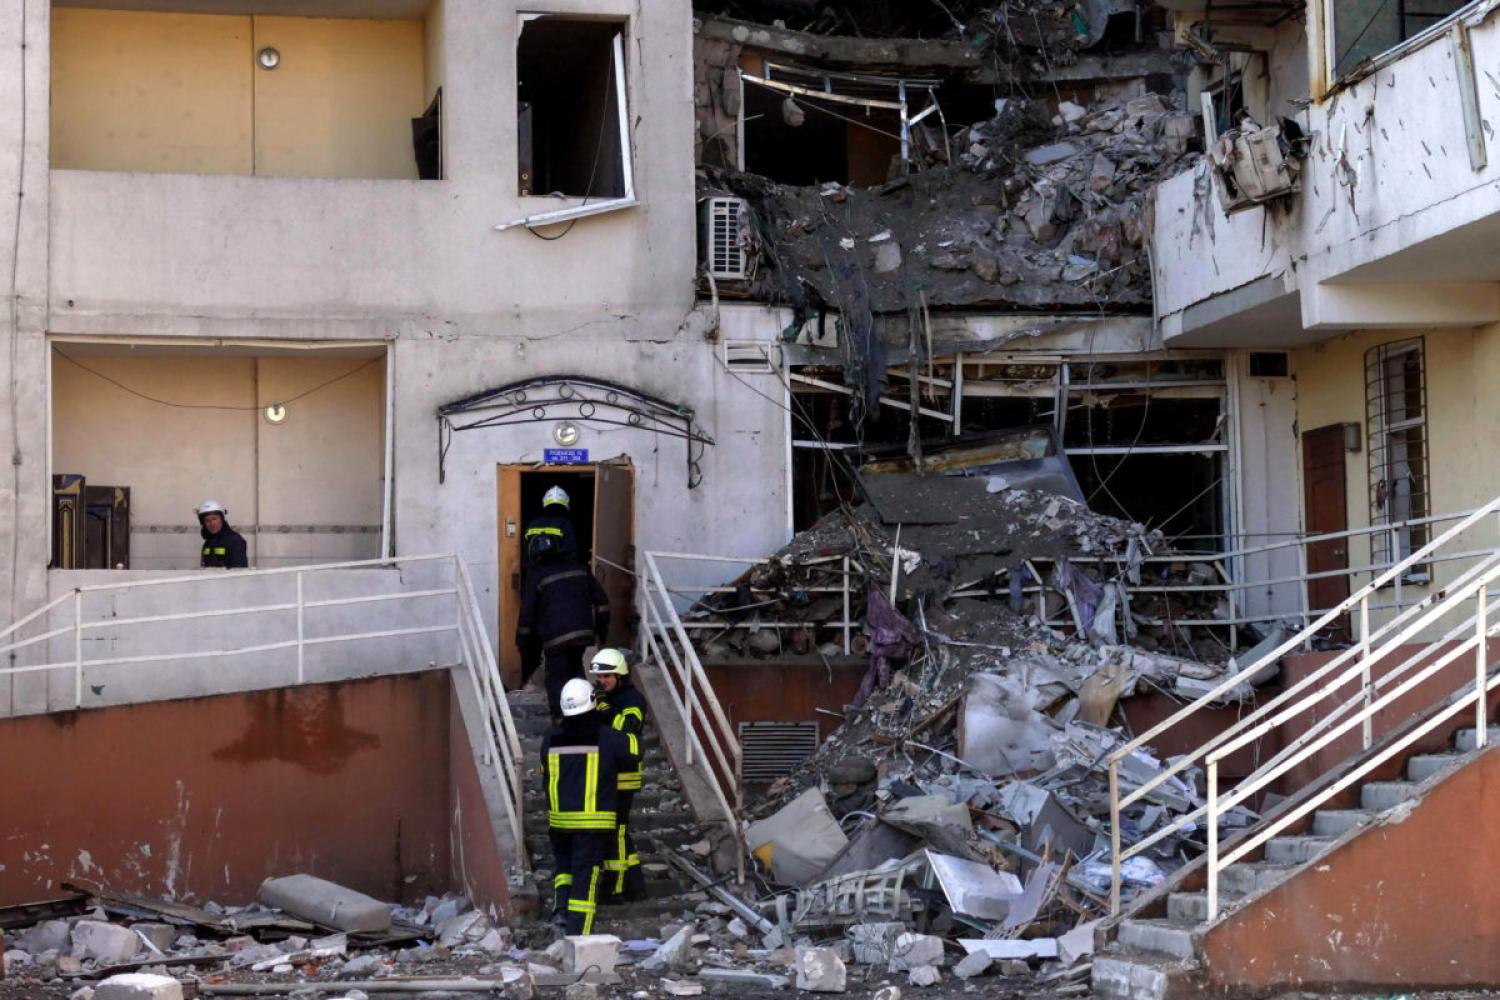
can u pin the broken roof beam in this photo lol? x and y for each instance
(898, 54)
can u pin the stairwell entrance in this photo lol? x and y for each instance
(602, 508)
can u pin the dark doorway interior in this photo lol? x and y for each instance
(580, 489)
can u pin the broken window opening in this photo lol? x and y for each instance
(572, 125)
(1364, 29)
(1396, 415)
(427, 140)
(806, 127)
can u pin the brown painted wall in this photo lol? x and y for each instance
(1406, 905)
(476, 864)
(203, 798)
(766, 691)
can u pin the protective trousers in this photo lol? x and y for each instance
(562, 664)
(623, 877)
(578, 859)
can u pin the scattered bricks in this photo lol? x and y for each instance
(973, 965)
(590, 953)
(161, 936)
(873, 943)
(912, 950)
(48, 935)
(138, 986)
(820, 970)
(924, 975)
(326, 903)
(743, 977)
(104, 942)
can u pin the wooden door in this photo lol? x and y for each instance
(508, 498)
(1325, 503)
(614, 541)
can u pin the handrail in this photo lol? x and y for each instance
(1359, 599)
(662, 631)
(1478, 642)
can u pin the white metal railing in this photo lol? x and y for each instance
(711, 742)
(1408, 623)
(284, 627)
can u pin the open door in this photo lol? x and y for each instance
(1326, 511)
(614, 546)
(508, 497)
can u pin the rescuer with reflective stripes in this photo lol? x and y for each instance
(581, 765)
(620, 706)
(223, 547)
(554, 523)
(563, 612)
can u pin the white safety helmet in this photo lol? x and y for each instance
(556, 495)
(609, 661)
(577, 697)
(211, 507)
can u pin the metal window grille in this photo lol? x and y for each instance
(1396, 415)
(724, 246)
(772, 749)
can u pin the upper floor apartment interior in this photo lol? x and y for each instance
(342, 89)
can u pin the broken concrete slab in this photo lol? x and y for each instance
(326, 903)
(924, 975)
(820, 970)
(104, 942)
(138, 986)
(746, 978)
(939, 821)
(912, 950)
(976, 964)
(160, 936)
(1010, 947)
(799, 840)
(674, 952)
(873, 943)
(49, 935)
(1077, 944)
(974, 889)
(681, 988)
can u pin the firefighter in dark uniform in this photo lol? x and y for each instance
(620, 706)
(563, 612)
(581, 765)
(553, 523)
(223, 547)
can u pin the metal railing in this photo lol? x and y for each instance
(284, 626)
(712, 746)
(1409, 622)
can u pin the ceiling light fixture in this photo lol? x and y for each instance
(268, 58)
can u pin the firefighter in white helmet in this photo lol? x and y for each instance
(620, 706)
(223, 547)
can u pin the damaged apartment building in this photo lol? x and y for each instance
(1033, 451)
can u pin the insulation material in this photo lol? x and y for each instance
(799, 840)
(1002, 732)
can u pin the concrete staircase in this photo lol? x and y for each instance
(1160, 958)
(659, 808)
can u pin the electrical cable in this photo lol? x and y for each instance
(588, 190)
(212, 406)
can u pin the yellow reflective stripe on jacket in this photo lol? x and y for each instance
(214, 552)
(554, 772)
(582, 821)
(544, 531)
(591, 783)
(619, 720)
(630, 781)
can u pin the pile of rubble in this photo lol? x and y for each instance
(965, 793)
(1040, 210)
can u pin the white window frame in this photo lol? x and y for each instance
(1330, 42)
(627, 166)
(1381, 458)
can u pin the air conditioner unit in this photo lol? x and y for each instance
(723, 244)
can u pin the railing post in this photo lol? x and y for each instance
(1114, 838)
(77, 649)
(1395, 555)
(1305, 595)
(1364, 667)
(1213, 840)
(847, 639)
(1481, 663)
(300, 648)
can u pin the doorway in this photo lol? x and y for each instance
(1326, 511)
(602, 508)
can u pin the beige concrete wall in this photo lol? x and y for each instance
(1463, 419)
(321, 468)
(181, 93)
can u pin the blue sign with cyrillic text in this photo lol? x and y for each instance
(565, 456)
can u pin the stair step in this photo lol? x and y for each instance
(1465, 739)
(1424, 766)
(1295, 850)
(1131, 978)
(1337, 822)
(1173, 938)
(1249, 879)
(1191, 907)
(1382, 795)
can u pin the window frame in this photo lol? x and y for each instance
(1331, 75)
(1382, 459)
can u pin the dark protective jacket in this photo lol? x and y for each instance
(562, 604)
(555, 525)
(224, 549)
(624, 711)
(581, 764)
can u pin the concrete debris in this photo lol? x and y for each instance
(326, 903)
(975, 964)
(104, 942)
(820, 970)
(681, 988)
(674, 952)
(138, 986)
(912, 950)
(924, 975)
(590, 953)
(745, 978)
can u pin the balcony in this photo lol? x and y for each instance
(1393, 227)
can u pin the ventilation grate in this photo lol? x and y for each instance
(772, 749)
(725, 249)
(748, 356)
